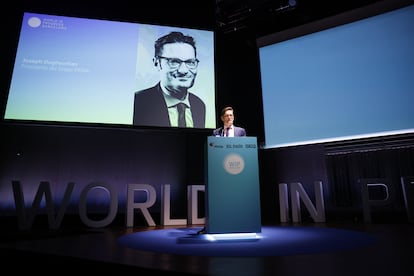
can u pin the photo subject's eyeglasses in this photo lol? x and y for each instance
(175, 63)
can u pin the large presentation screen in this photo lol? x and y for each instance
(349, 81)
(80, 70)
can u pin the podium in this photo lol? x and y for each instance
(232, 185)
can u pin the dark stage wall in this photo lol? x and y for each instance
(118, 157)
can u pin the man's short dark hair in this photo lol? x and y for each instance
(173, 37)
(225, 109)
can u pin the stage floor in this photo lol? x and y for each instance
(313, 249)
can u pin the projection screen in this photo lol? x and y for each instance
(80, 70)
(342, 78)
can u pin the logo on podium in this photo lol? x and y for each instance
(233, 163)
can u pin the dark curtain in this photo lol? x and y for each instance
(346, 169)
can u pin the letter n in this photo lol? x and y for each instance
(297, 192)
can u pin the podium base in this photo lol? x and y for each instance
(233, 237)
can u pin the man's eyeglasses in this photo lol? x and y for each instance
(175, 63)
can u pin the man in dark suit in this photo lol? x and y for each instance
(169, 103)
(228, 129)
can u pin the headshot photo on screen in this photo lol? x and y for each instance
(169, 97)
(80, 70)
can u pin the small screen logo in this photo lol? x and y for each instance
(34, 22)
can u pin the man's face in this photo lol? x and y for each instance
(177, 80)
(228, 118)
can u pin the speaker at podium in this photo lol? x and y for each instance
(232, 185)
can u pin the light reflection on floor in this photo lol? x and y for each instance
(272, 241)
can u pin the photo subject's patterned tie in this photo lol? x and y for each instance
(181, 114)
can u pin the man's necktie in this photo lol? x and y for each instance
(226, 132)
(181, 114)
